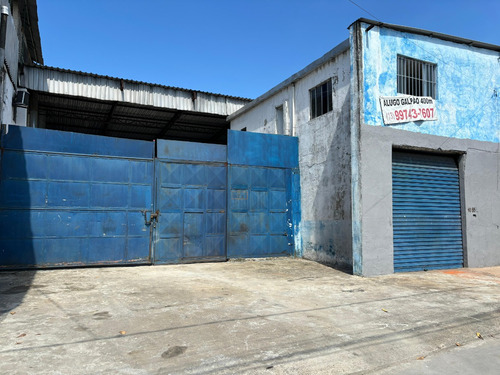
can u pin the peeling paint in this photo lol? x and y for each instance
(467, 78)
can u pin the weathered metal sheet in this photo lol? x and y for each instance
(427, 222)
(261, 194)
(191, 151)
(191, 199)
(31, 139)
(266, 150)
(73, 200)
(73, 83)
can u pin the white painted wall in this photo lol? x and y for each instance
(262, 118)
(324, 158)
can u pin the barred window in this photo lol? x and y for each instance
(321, 99)
(416, 77)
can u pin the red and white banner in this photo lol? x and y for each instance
(407, 108)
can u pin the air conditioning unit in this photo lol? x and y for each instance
(22, 98)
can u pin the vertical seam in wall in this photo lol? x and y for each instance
(293, 130)
(356, 109)
(296, 212)
(462, 162)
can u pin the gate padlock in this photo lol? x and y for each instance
(154, 216)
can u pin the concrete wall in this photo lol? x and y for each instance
(14, 39)
(479, 171)
(8, 109)
(468, 126)
(324, 158)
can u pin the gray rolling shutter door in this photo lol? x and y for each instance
(427, 220)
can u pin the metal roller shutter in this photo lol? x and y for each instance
(426, 214)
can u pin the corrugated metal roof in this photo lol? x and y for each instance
(74, 83)
(29, 14)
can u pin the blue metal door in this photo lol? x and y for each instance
(191, 201)
(263, 194)
(427, 220)
(70, 199)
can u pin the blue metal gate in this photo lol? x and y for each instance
(191, 202)
(427, 220)
(70, 199)
(263, 194)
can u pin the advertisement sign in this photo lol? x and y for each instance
(407, 108)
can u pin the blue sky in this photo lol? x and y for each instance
(240, 48)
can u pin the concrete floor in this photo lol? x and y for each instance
(278, 316)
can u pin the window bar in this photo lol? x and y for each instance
(312, 106)
(412, 77)
(330, 96)
(417, 78)
(427, 80)
(405, 66)
(425, 88)
(434, 82)
(320, 102)
(405, 79)
(400, 85)
(410, 74)
(315, 104)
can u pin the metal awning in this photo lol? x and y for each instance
(124, 120)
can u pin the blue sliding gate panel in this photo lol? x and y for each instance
(262, 199)
(71, 199)
(427, 221)
(191, 199)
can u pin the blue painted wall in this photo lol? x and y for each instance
(468, 88)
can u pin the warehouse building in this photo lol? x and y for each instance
(398, 150)
(381, 156)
